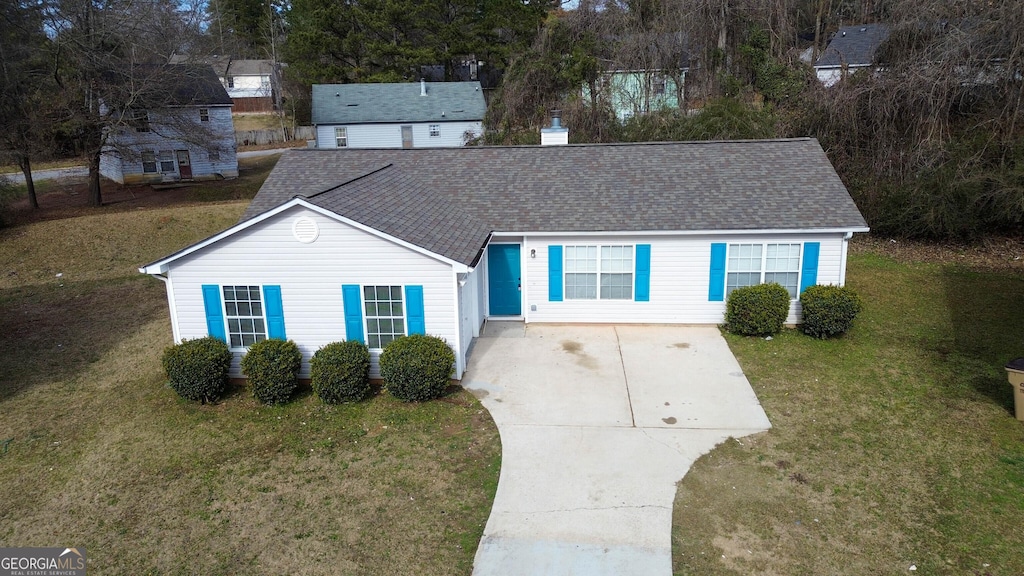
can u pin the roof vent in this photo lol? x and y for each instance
(305, 230)
(423, 87)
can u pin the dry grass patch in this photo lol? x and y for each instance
(104, 455)
(891, 447)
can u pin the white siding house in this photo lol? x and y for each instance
(408, 115)
(851, 49)
(190, 136)
(637, 233)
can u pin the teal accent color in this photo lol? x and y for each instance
(414, 307)
(554, 273)
(275, 312)
(716, 285)
(214, 312)
(353, 301)
(809, 269)
(643, 273)
(504, 280)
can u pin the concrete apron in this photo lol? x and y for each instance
(597, 425)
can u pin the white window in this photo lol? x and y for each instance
(341, 137)
(607, 267)
(140, 120)
(231, 82)
(750, 264)
(149, 162)
(435, 130)
(166, 161)
(243, 309)
(204, 114)
(385, 316)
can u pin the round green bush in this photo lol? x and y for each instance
(272, 367)
(757, 310)
(198, 369)
(340, 372)
(417, 367)
(828, 310)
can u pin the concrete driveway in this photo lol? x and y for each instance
(598, 424)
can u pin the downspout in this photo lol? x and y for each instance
(845, 251)
(170, 304)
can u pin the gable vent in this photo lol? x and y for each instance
(305, 230)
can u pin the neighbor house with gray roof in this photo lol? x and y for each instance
(376, 244)
(404, 115)
(851, 49)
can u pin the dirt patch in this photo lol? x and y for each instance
(572, 347)
(997, 253)
(582, 358)
(681, 345)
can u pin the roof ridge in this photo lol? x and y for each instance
(584, 145)
(347, 182)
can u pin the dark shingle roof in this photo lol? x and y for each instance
(448, 200)
(197, 85)
(854, 45)
(377, 103)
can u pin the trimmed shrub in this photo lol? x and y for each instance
(417, 367)
(340, 372)
(272, 367)
(828, 310)
(198, 369)
(757, 310)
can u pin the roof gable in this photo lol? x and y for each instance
(853, 46)
(402, 102)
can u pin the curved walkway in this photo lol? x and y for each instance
(598, 424)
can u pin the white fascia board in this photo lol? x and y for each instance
(161, 266)
(856, 229)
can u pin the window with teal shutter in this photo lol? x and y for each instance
(809, 269)
(414, 308)
(214, 312)
(716, 283)
(643, 273)
(353, 312)
(554, 273)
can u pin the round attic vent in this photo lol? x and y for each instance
(305, 230)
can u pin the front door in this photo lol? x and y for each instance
(504, 280)
(184, 165)
(406, 136)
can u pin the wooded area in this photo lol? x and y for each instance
(930, 141)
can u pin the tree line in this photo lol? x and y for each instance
(930, 143)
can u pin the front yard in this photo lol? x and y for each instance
(104, 456)
(894, 447)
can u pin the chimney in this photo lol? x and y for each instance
(423, 87)
(556, 135)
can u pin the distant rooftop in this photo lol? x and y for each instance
(853, 46)
(403, 102)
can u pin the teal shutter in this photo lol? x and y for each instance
(716, 284)
(414, 310)
(809, 269)
(275, 312)
(643, 273)
(353, 302)
(554, 273)
(214, 312)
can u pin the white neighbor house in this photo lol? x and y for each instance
(375, 244)
(851, 49)
(193, 138)
(406, 115)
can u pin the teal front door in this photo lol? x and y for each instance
(504, 280)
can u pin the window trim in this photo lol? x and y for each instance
(204, 114)
(762, 272)
(404, 302)
(599, 272)
(152, 161)
(228, 317)
(435, 130)
(170, 159)
(341, 137)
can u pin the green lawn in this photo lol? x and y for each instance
(103, 455)
(892, 447)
